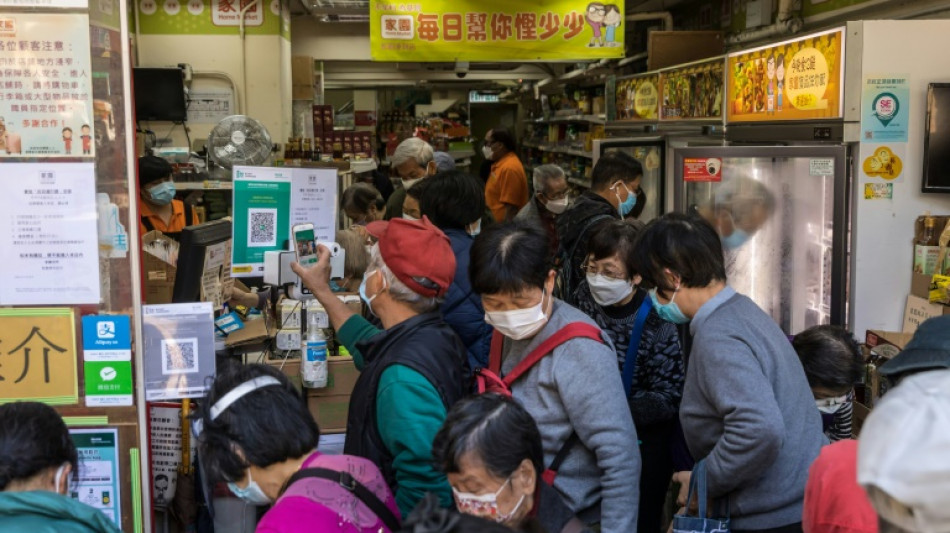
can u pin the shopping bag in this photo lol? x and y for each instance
(683, 523)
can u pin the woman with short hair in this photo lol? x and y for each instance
(38, 464)
(256, 434)
(574, 391)
(362, 204)
(490, 450)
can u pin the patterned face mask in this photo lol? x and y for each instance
(485, 505)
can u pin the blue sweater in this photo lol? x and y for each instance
(462, 309)
(747, 408)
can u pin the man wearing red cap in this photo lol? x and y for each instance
(412, 371)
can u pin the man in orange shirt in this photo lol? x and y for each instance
(507, 189)
(157, 204)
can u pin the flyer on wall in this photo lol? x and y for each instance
(98, 479)
(46, 73)
(49, 228)
(261, 216)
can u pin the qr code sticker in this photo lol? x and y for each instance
(179, 356)
(261, 227)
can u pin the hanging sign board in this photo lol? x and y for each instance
(38, 355)
(792, 80)
(638, 98)
(693, 93)
(46, 87)
(496, 30)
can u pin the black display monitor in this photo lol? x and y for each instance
(936, 174)
(196, 244)
(159, 94)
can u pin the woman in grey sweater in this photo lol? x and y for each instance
(575, 390)
(747, 408)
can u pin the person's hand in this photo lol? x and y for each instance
(317, 277)
(683, 479)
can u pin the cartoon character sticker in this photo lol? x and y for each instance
(770, 89)
(68, 139)
(86, 139)
(780, 79)
(596, 12)
(612, 21)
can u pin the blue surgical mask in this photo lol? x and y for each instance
(252, 494)
(368, 300)
(735, 240)
(668, 311)
(627, 205)
(163, 193)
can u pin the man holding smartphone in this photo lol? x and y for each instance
(412, 371)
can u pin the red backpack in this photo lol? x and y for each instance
(488, 380)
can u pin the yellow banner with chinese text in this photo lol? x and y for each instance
(494, 30)
(793, 80)
(38, 356)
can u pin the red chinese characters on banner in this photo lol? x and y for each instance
(475, 25)
(482, 27)
(500, 27)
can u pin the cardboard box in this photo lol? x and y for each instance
(330, 412)
(301, 70)
(918, 310)
(859, 415)
(341, 378)
(159, 274)
(289, 367)
(290, 314)
(886, 343)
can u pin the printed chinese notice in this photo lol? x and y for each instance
(49, 232)
(98, 485)
(45, 86)
(38, 355)
(166, 443)
(314, 201)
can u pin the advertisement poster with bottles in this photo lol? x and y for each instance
(638, 98)
(793, 80)
(693, 93)
(46, 86)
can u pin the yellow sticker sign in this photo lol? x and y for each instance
(38, 356)
(496, 30)
(638, 98)
(884, 164)
(793, 80)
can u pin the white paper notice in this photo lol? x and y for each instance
(48, 232)
(313, 200)
(165, 431)
(210, 105)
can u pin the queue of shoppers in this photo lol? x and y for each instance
(528, 373)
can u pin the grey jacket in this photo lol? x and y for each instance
(748, 410)
(578, 388)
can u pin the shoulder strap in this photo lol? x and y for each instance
(630, 363)
(189, 215)
(568, 332)
(148, 224)
(349, 483)
(551, 472)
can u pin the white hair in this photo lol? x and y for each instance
(413, 148)
(399, 291)
(544, 175)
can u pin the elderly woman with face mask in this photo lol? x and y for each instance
(573, 391)
(490, 450)
(648, 354)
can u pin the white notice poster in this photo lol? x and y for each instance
(48, 232)
(314, 200)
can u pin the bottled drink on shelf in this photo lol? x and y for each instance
(314, 365)
(927, 247)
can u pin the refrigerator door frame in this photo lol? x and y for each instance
(841, 217)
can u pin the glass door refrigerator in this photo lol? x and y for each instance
(779, 192)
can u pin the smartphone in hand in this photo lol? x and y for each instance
(305, 244)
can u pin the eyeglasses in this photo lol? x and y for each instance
(592, 269)
(556, 196)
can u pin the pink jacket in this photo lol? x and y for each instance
(321, 505)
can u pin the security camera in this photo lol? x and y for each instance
(461, 69)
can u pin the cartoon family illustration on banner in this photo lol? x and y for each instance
(604, 19)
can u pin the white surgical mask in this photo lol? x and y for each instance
(518, 324)
(408, 217)
(607, 290)
(557, 206)
(485, 505)
(407, 184)
(830, 406)
(252, 494)
(475, 228)
(486, 151)
(66, 479)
